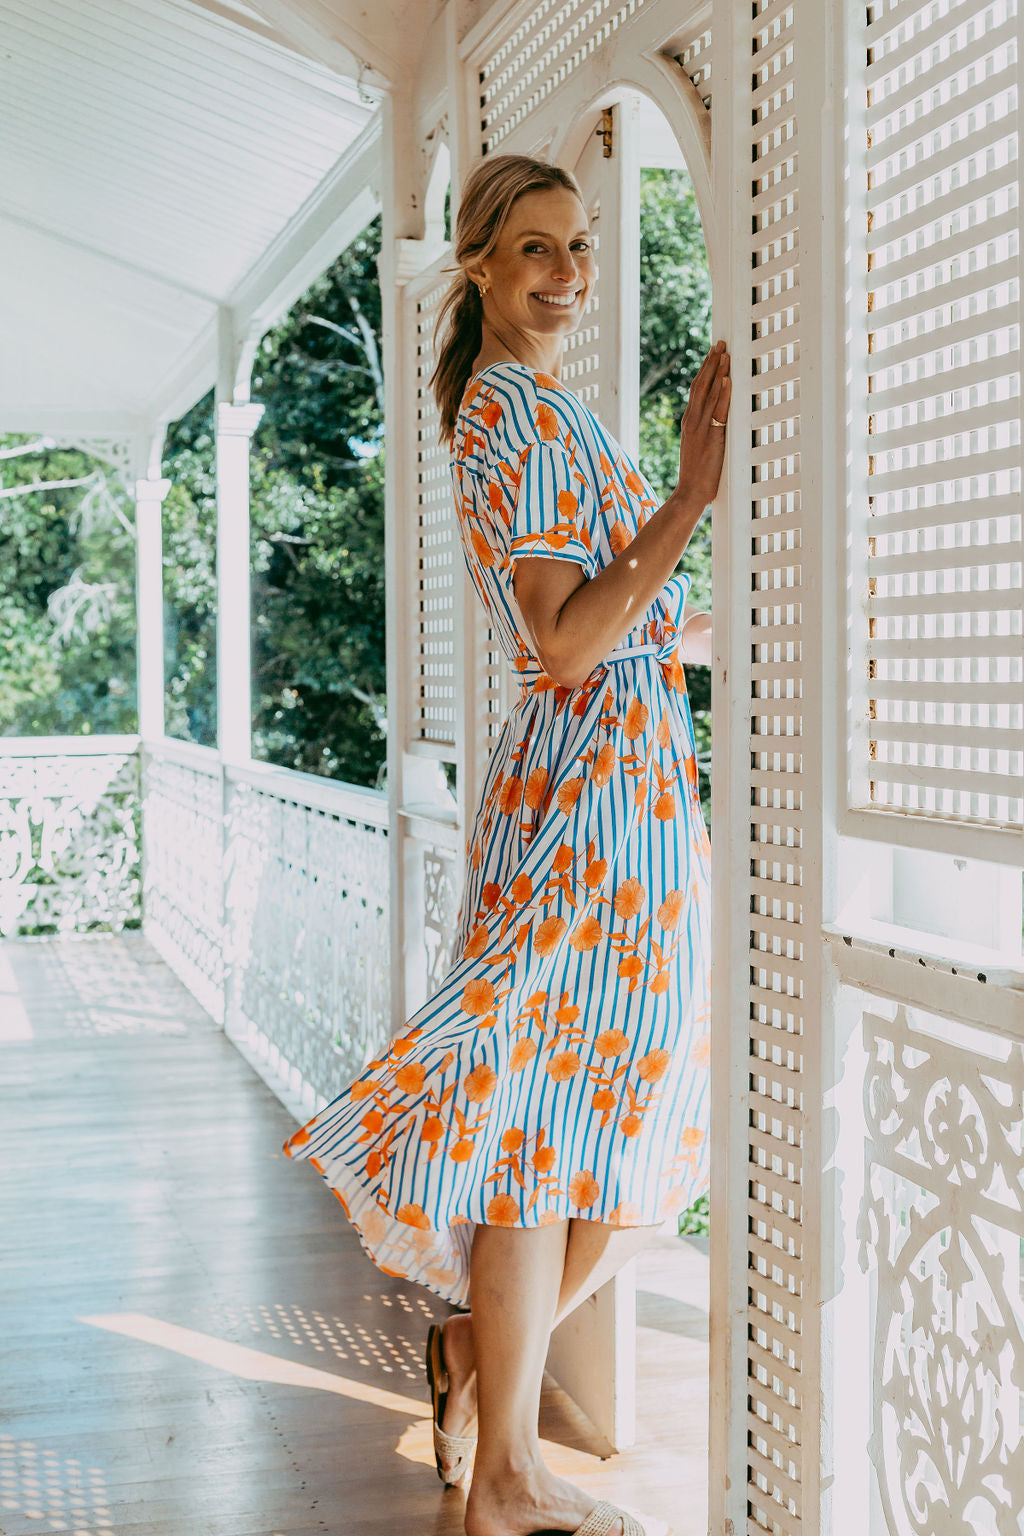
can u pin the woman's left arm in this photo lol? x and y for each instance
(695, 640)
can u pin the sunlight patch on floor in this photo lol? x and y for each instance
(250, 1364)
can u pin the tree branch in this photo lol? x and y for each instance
(7, 492)
(41, 445)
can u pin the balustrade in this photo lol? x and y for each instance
(266, 891)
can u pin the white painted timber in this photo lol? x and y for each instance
(235, 425)
(154, 153)
(149, 605)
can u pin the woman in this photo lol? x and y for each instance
(547, 1109)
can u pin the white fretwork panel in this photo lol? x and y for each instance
(308, 912)
(941, 1232)
(539, 55)
(776, 1279)
(442, 879)
(944, 690)
(183, 892)
(438, 562)
(69, 842)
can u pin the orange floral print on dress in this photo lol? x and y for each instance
(548, 935)
(559, 1067)
(413, 1216)
(523, 1053)
(604, 764)
(629, 898)
(410, 1076)
(565, 1065)
(503, 1211)
(477, 996)
(584, 1190)
(654, 1065)
(480, 1083)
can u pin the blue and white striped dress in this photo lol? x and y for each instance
(561, 1068)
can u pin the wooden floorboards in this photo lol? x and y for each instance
(194, 1343)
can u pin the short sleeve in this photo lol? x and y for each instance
(553, 513)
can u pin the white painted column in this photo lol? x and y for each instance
(235, 427)
(149, 606)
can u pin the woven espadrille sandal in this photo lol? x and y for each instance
(452, 1453)
(601, 1522)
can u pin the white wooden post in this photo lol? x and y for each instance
(149, 606)
(399, 260)
(235, 427)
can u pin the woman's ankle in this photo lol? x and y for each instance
(520, 1464)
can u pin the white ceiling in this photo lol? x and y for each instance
(156, 155)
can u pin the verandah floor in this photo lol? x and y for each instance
(194, 1342)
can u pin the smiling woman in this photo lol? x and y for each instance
(547, 1109)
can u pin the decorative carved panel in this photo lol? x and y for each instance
(69, 842)
(941, 1229)
(441, 881)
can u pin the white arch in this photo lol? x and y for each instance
(672, 91)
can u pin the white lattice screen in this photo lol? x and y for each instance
(945, 687)
(541, 53)
(692, 52)
(581, 356)
(490, 695)
(776, 1278)
(438, 557)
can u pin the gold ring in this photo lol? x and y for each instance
(715, 423)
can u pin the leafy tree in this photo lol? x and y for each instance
(190, 578)
(67, 593)
(675, 334)
(317, 503)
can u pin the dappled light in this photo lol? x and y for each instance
(60, 1493)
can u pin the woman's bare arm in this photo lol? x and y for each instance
(695, 641)
(574, 622)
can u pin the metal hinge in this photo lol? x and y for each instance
(607, 131)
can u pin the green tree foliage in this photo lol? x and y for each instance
(67, 593)
(190, 578)
(675, 334)
(317, 499)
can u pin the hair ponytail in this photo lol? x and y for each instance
(492, 187)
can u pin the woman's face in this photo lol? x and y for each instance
(544, 253)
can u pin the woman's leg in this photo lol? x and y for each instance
(516, 1279)
(594, 1253)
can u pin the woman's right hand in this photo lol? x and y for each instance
(702, 445)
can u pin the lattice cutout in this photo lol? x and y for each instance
(692, 52)
(538, 55)
(489, 695)
(438, 557)
(581, 354)
(945, 685)
(776, 1252)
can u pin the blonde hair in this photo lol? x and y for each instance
(492, 187)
